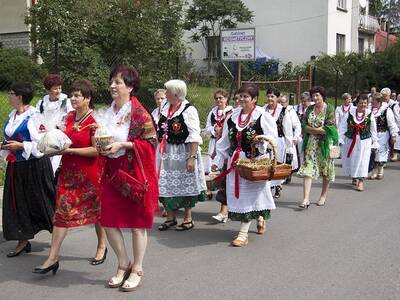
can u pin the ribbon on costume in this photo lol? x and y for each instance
(235, 157)
(357, 128)
(11, 158)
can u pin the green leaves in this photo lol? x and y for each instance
(207, 17)
(94, 36)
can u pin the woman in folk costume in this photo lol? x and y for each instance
(387, 133)
(129, 193)
(159, 97)
(319, 131)
(358, 137)
(78, 186)
(215, 122)
(52, 109)
(342, 111)
(29, 191)
(285, 132)
(388, 98)
(246, 200)
(293, 158)
(300, 111)
(182, 181)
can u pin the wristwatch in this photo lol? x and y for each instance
(193, 156)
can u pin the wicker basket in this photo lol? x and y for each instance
(212, 184)
(263, 169)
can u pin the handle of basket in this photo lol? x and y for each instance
(274, 150)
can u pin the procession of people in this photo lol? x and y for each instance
(69, 166)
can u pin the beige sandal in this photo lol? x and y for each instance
(129, 286)
(114, 283)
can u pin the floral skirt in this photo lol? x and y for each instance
(314, 165)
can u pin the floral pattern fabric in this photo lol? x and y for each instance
(77, 200)
(315, 164)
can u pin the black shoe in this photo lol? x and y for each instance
(277, 192)
(53, 267)
(288, 180)
(167, 225)
(27, 249)
(95, 262)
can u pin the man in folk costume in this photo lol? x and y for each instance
(285, 132)
(387, 133)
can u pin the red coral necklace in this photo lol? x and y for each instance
(243, 124)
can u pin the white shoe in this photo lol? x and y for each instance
(220, 218)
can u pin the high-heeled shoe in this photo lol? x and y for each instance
(27, 249)
(95, 262)
(305, 204)
(54, 268)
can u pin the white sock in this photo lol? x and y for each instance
(244, 229)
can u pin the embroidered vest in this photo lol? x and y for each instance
(177, 131)
(21, 134)
(381, 122)
(214, 120)
(279, 122)
(248, 135)
(365, 132)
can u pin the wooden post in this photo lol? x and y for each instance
(310, 76)
(238, 75)
(298, 90)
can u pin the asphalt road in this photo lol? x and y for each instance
(348, 249)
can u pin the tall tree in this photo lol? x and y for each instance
(206, 17)
(82, 38)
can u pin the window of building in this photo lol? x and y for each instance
(361, 48)
(340, 43)
(342, 5)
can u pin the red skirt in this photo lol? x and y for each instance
(118, 211)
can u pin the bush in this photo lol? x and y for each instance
(17, 65)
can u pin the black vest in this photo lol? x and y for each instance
(214, 121)
(279, 122)
(248, 134)
(177, 131)
(381, 122)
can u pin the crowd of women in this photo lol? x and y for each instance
(156, 158)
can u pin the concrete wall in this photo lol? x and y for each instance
(13, 31)
(339, 22)
(12, 14)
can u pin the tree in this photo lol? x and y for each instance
(206, 17)
(388, 10)
(81, 38)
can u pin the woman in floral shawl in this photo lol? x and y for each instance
(319, 132)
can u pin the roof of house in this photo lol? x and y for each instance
(382, 40)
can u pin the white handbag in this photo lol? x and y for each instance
(334, 151)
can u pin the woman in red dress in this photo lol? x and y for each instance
(131, 126)
(79, 179)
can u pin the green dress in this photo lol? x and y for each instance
(316, 148)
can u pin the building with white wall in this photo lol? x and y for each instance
(292, 30)
(14, 33)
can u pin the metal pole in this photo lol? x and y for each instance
(238, 75)
(336, 88)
